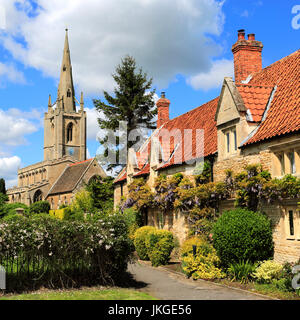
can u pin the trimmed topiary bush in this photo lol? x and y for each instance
(241, 235)
(159, 244)
(140, 237)
(39, 207)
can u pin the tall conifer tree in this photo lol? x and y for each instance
(133, 102)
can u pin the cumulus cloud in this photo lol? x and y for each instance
(167, 37)
(213, 78)
(15, 125)
(9, 72)
(8, 169)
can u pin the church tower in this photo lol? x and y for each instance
(65, 127)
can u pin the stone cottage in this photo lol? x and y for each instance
(256, 119)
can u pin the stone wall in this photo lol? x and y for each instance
(172, 221)
(286, 250)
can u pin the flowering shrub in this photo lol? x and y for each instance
(166, 191)
(268, 271)
(205, 264)
(43, 251)
(139, 196)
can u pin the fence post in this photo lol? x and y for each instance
(2, 278)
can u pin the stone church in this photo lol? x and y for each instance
(65, 168)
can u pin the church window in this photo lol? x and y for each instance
(70, 132)
(69, 93)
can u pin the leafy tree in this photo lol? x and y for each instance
(2, 186)
(102, 192)
(132, 102)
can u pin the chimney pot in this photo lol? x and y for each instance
(241, 34)
(247, 56)
(251, 37)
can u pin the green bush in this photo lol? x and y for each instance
(187, 246)
(204, 265)
(159, 244)
(133, 220)
(39, 207)
(241, 234)
(140, 237)
(242, 271)
(268, 271)
(9, 209)
(42, 251)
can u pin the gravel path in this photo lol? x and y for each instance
(166, 285)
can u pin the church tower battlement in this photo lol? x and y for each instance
(64, 126)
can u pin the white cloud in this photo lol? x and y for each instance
(245, 14)
(213, 78)
(8, 170)
(15, 125)
(167, 37)
(9, 72)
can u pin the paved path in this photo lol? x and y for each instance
(166, 285)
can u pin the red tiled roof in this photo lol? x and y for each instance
(144, 171)
(202, 117)
(255, 99)
(283, 116)
(122, 176)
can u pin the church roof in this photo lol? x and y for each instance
(70, 177)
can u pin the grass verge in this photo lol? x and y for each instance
(83, 294)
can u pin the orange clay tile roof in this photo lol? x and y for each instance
(202, 117)
(144, 171)
(283, 116)
(122, 177)
(255, 99)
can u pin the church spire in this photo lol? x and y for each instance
(66, 91)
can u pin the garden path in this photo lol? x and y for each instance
(166, 285)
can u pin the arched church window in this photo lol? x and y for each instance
(38, 196)
(70, 132)
(69, 93)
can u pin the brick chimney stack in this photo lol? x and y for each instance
(163, 105)
(247, 56)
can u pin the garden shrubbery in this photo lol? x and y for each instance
(43, 251)
(160, 245)
(39, 207)
(154, 245)
(241, 235)
(140, 241)
(268, 271)
(204, 264)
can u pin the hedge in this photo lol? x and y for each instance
(241, 235)
(43, 251)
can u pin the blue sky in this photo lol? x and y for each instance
(184, 45)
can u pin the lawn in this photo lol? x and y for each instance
(84, 294)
